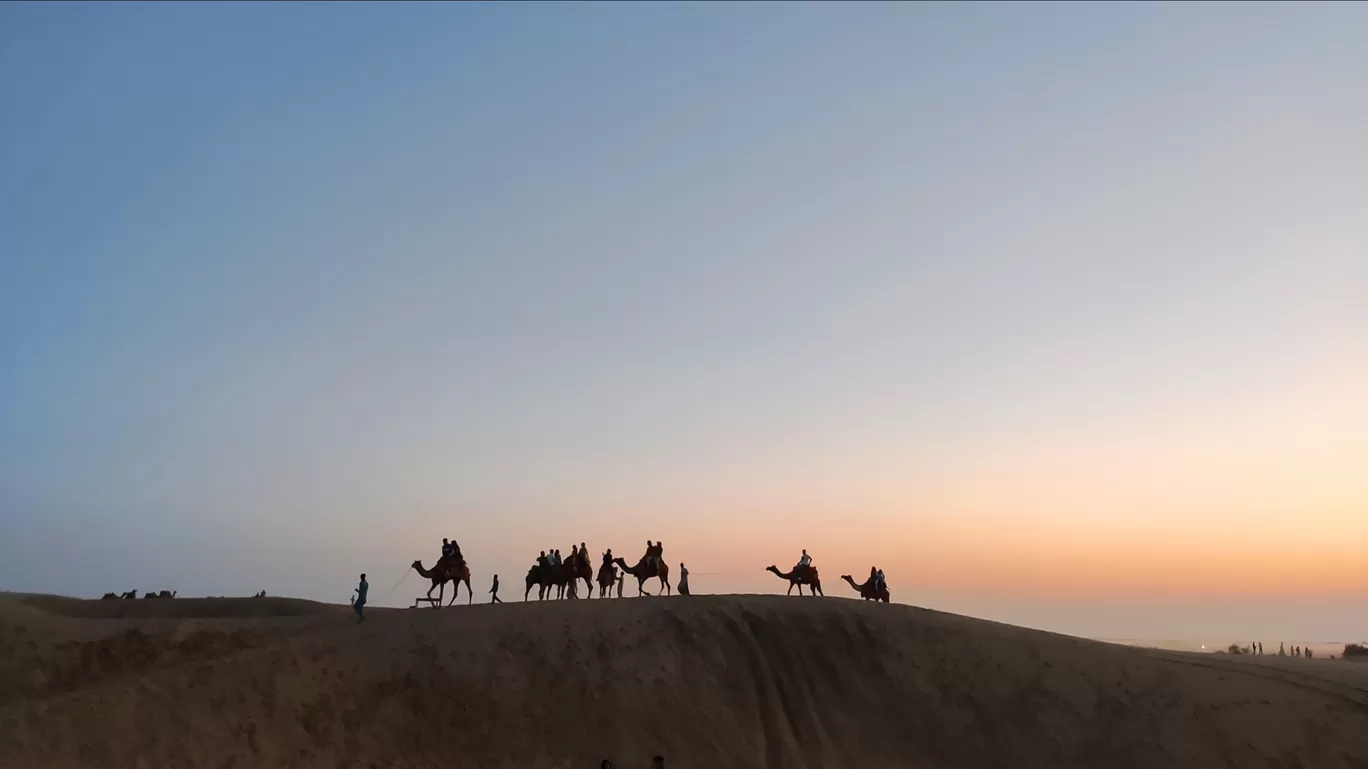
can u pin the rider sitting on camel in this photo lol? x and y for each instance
(804, 563)
(608, 557)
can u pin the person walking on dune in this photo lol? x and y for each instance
(683, 579)
(494, 591)
(360, 603)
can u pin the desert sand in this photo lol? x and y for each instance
(707, 681)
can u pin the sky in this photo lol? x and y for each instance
(1056, 312)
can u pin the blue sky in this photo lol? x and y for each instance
(323, 283)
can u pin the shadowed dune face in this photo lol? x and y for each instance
(713, 681)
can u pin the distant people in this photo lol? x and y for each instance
(558, 558)
(608, 558)
(1260, 648)
(574, 553)
(456, 552)
(360, 602)
(494, 591)
(659, 554)
(1308, 653)
(804, 562)
(683, 579)
(650, 554)
(543, 561)
(584, 553)
(619, 585)
(1282, 652)
(446, 550)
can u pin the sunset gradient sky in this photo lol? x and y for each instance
(1059, 313)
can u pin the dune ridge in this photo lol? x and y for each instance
(708, 681)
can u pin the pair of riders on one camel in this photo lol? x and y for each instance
(654, 554)
(876, 578)
(451, 552)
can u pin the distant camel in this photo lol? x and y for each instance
(129, 595)
(547, 577)
(808, 577)
(580, 568)
(867, 589)
(643, 572)
(110, 597)
(162, 594)
(607, 575)
(443, 573)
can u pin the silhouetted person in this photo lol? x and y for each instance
(456, 552)
(446, 550)
(1260, 648)
(542, 560)
(1282, 652)
(683, 579)
(1308, 654)
(360, 602)
(803, 562)
(620, 585)
(608, 557)
(494, 591)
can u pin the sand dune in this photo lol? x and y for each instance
(720, 681)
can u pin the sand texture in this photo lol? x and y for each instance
(708, 681)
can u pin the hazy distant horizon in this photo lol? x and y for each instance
(1053, 311)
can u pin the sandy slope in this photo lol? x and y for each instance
(725, 681)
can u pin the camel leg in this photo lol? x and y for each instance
(588, 587)
(790, 590)
(664, 586)
(470, 594)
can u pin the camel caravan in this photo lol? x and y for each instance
(558, 577)
(134, 594)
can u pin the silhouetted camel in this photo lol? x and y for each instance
(607, 575)
(162, 594)
(129, 595)
(796, 579)
(110, 597)
(547, 577)
(580, 568)
(642, 571)
(867, 589)
(443, 573)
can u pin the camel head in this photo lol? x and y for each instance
(848, 578)
(774, 569)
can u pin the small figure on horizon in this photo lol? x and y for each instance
(360, 602)
(683, 579)
(1308, 653)
(494, 591)
(620, 585)
(1260, 648)
(1282, 652)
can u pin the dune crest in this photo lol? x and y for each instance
(713, 681)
